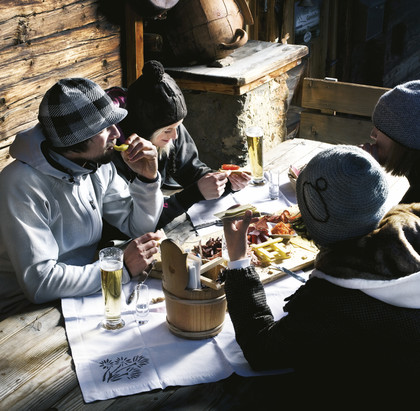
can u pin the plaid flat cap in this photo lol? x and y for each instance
(76, 109)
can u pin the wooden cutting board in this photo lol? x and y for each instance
(300, 258)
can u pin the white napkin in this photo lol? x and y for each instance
(203, 211)
(139, 358)
(259, 196)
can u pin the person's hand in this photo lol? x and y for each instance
(212, 185)
(239, 180)
(236, 235)
(141, 156)
(140, 252)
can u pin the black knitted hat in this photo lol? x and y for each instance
(154, 101)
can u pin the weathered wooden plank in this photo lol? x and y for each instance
(28, 23)
(23, 317)
(52, 382)
(13, 8)
(221, 88)
(97, 59)
(334, 129)
(5, 157)
(24, 361)
(43, 41)
(250, 62)
(342, 97)
(23, 112)
(295, 150)
(57, 52)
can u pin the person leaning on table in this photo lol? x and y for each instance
(396, 135)
(358, 315)
(58, 188)
(156, 111)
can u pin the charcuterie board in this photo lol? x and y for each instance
(300, 258)
(301, 251)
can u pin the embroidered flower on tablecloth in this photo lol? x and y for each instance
(122, 367)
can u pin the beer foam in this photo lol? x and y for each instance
(111, 265)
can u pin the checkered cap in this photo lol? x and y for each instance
(76, 109)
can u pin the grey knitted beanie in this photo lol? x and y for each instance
(76, 109)
(397, 114)
(341, 194)
(154, 101)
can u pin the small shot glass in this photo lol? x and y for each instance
(142, 303)
(273, 187)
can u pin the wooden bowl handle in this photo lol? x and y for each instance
(239, 40)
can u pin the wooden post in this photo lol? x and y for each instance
(135, 50)
(272, 25)
(253, 30)
(288, 26)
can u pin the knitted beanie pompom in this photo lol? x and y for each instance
(153, 72)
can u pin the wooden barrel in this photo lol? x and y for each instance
(201, 31)
(193, 314)
(195, 319)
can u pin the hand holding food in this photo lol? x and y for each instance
(140, 155)
(239, 178)
(236, 235)
(212, 185)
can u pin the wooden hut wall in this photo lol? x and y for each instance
(43, 41)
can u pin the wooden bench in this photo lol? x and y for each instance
(337, 112)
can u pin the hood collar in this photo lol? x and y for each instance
(30, 147)
(401, 292)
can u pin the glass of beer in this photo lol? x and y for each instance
(111, 264)
(254, 137)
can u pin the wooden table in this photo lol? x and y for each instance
(37, 372)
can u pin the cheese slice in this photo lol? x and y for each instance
(238, 212)
(303, 243)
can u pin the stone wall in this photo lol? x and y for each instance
(217, 122)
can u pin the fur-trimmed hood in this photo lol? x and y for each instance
(384, 264)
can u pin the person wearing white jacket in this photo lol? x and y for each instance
(58, 189)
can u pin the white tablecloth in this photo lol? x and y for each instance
(203, 211)
(140, 358)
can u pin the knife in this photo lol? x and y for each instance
(209, 224)
(291, 273)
